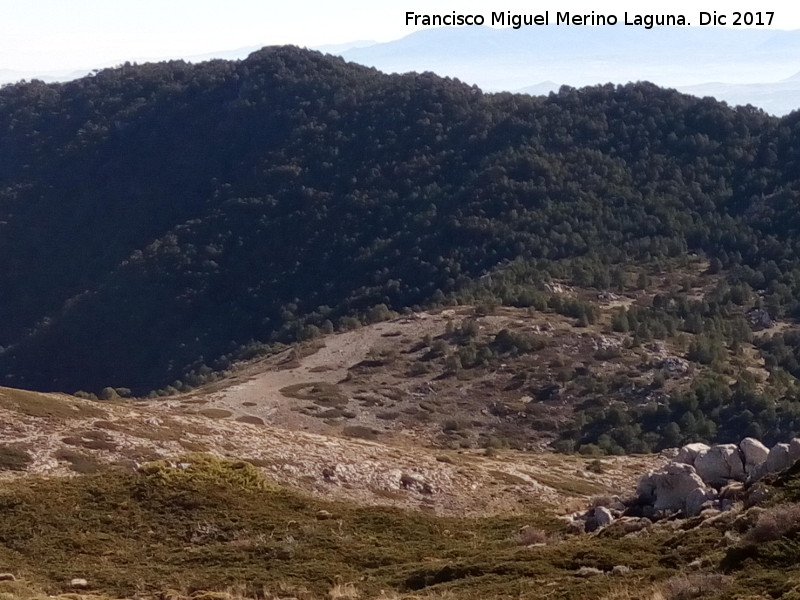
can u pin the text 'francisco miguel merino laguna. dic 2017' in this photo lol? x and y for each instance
(509, 19)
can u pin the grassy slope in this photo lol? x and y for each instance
(219, 525)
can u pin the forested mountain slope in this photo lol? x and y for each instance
(167, 218)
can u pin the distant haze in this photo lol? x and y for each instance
(740, 66)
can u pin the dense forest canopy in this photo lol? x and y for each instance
(158, 221)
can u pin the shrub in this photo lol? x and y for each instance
(109, 393)
(596, 466)
(92, 440)
(13, 459)
(202, 471)
(528, 536)
(696, 585)
(79, 462)
(774, 523)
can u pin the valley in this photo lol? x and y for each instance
(289, 328)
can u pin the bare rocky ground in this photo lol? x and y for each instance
(64, 435)
(389, 381)
(376, 416)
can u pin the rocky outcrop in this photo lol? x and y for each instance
(705, 478)
(759, 319)
(676, 487)
(780, 458)
(750, 460)
(720, 464)
(701, 480)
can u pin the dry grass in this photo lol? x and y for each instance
(343, 591)
(191, 446)
(633, 593)
(34, 404)
(694, 586)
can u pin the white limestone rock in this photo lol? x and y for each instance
(720, 464)
(794, 450)
(668, 488)
(778, 459)
(755, 453)
(695, 501)
(688, 453)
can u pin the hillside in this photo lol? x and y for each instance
(162, 221)
(269, 513)
(55, 435)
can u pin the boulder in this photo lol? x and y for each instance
(794, 450)
(778, 459)
(668, 488)
(734, 492)
(696, 501)
(603, 516)
(627, 525)
(674, 364)
(757, 472)
(621, 570)
(669, 453)
(720, 464)
(576, 526)
(759, 319)
(415, 483)
(754, 452)
(689, 452)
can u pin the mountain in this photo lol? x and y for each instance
(682, 57)
(778, 98)
(499, 59)
(539, 89)
(160, 221)
(12, 76)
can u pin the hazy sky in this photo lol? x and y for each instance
(45, 35)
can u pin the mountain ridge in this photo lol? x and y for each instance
(156, 195)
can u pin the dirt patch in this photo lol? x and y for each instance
(250, 419)
(215, 413)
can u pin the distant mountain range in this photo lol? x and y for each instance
(777, 98)
(739, 66)
(745, 65)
